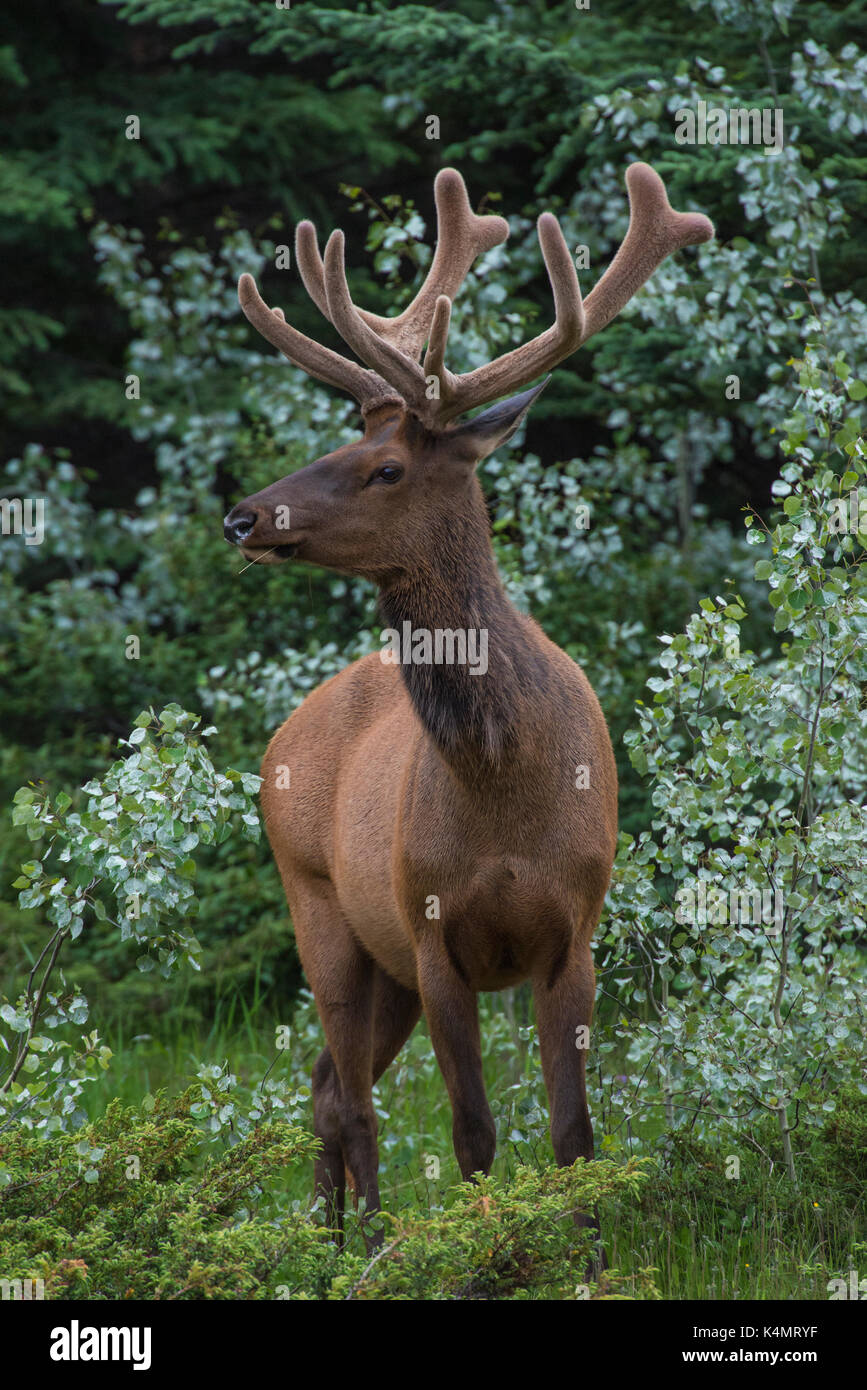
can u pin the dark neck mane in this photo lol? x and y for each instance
(472, 718)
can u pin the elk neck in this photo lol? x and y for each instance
(455, 587)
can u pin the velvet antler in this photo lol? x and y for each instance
(391, 347)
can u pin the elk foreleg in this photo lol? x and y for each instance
(342, 976)
(564, 1012)
(451, 1008)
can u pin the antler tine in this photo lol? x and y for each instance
(368, 389)
(310, 265)
(461, 237)
(655, 231)
(434, 359)
(524, 363)
(376, 351)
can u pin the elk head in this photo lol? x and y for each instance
(371, 507)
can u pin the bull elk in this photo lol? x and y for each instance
(434, 843)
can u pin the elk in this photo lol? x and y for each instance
(435, 841)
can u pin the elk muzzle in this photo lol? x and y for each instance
(239, 527)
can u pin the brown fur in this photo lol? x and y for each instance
(414, 782)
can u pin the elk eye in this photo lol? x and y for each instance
(389, 473)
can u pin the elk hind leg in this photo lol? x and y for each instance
(329, 1167)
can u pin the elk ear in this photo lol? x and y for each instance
(480, 436)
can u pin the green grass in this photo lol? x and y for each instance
(706, 1236)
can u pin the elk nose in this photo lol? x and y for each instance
(238, 525)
